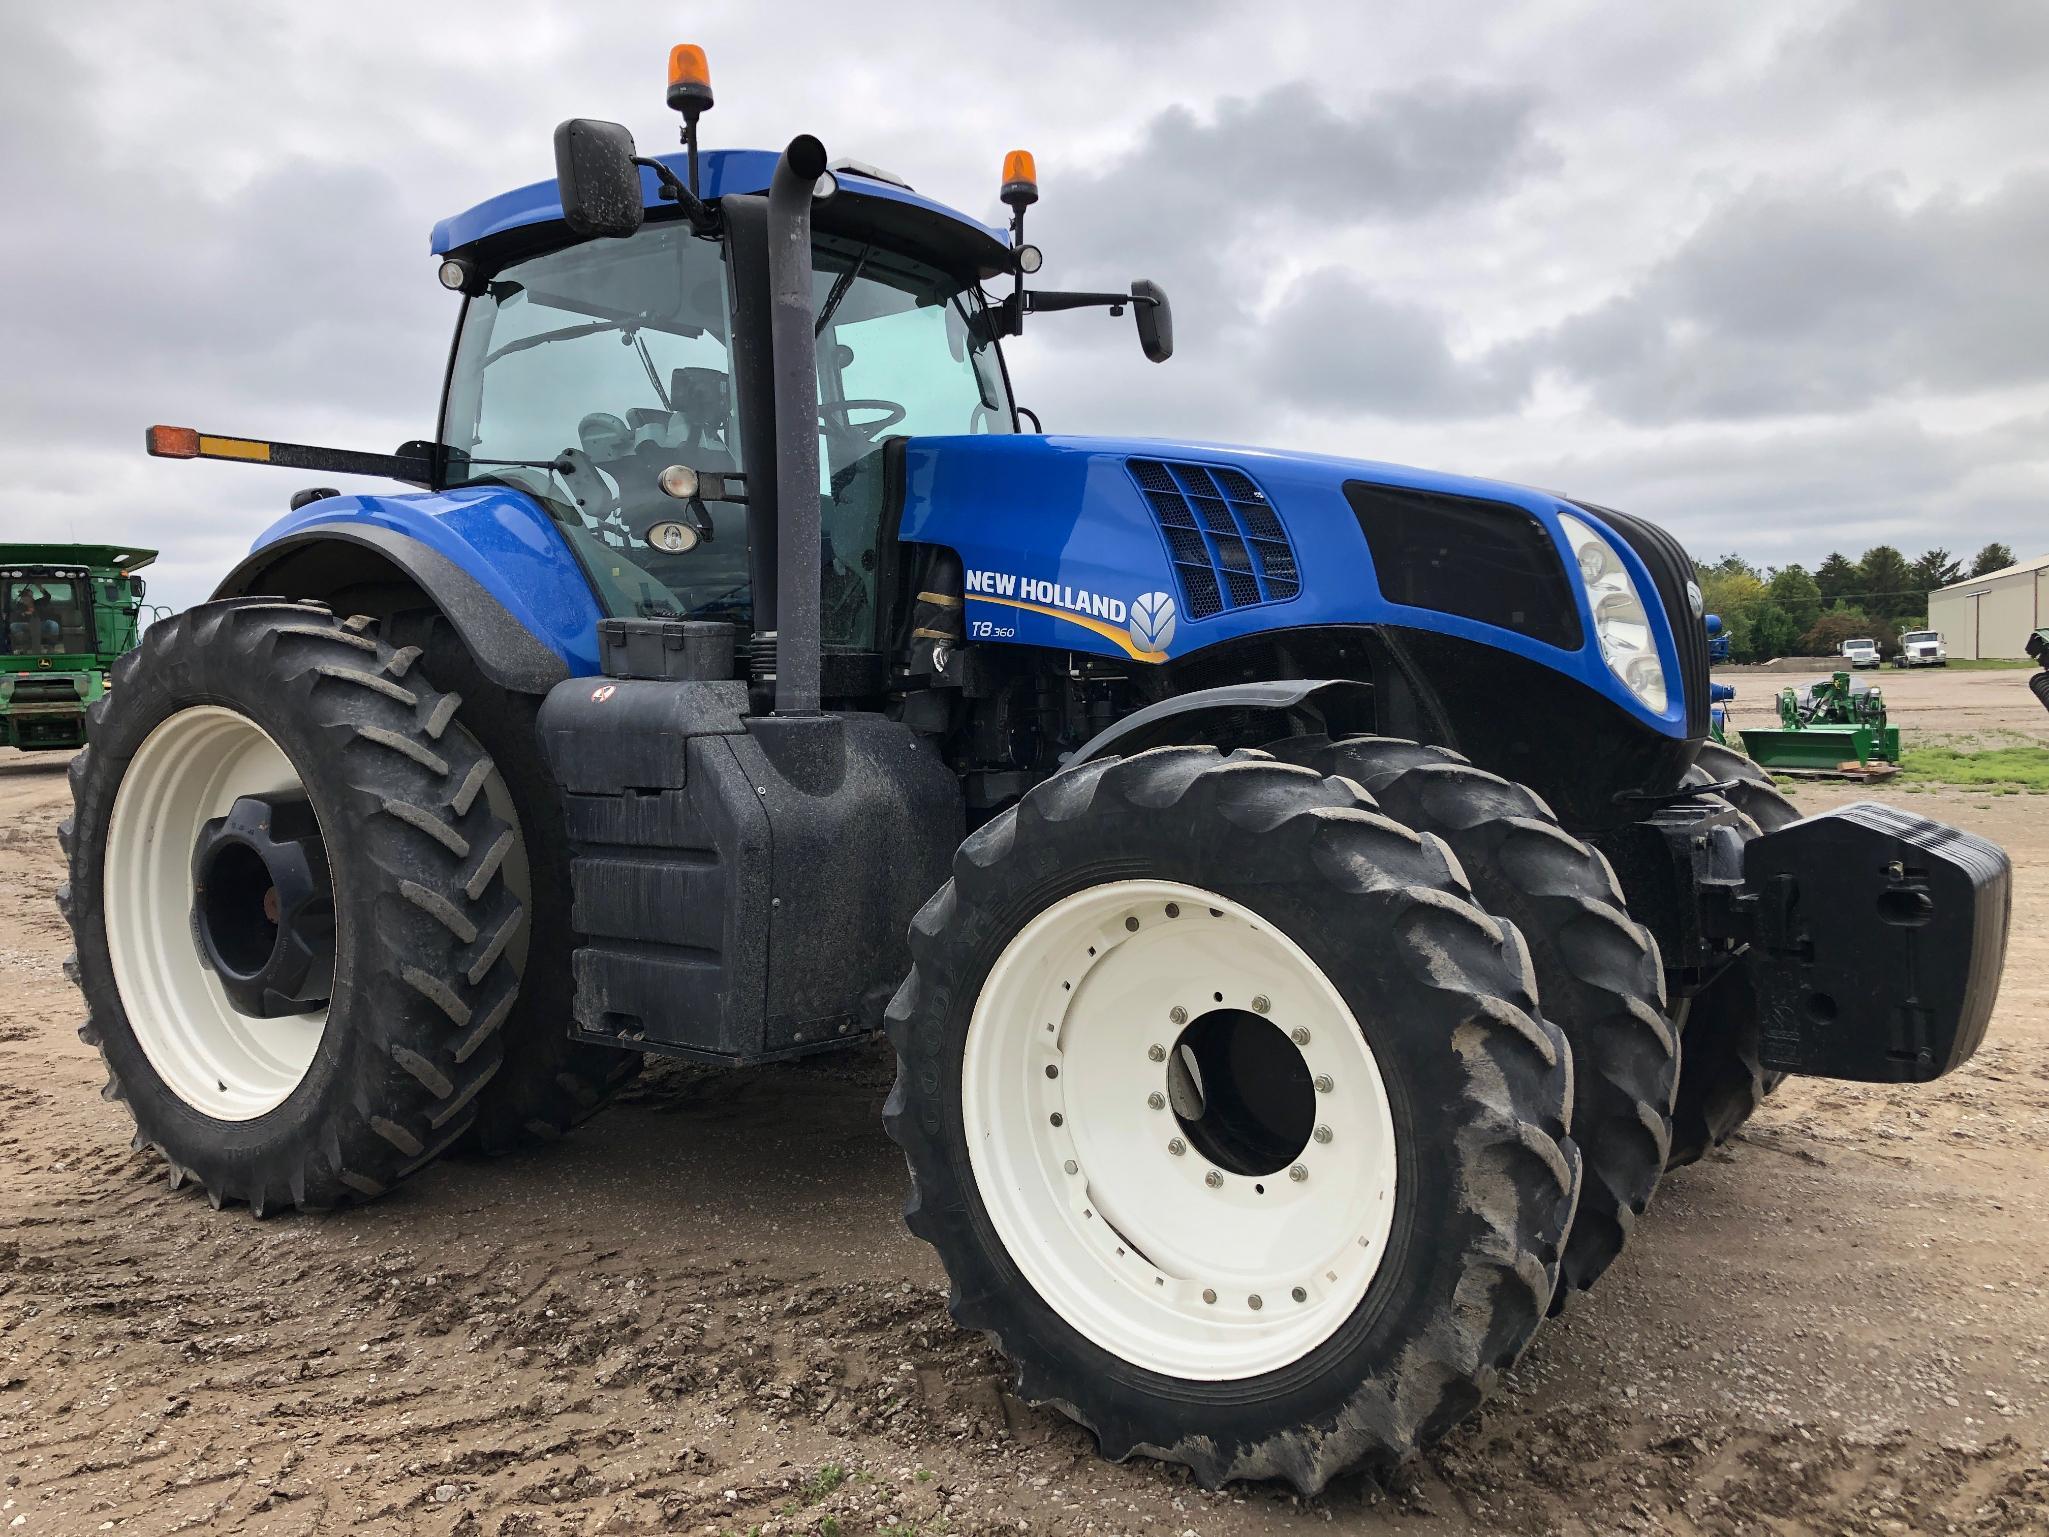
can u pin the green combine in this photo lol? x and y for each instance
(1833, 728)
(70, 610)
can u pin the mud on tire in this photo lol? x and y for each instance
(422, 981)
(1598, 974)
(1478, 1084)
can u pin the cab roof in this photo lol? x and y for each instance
(864, 206)
(121, 557)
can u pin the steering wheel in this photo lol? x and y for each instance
(892, 413)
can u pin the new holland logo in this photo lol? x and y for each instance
(1152, 621)
(1141, 629)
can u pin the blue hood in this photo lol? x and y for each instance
(1065, 544)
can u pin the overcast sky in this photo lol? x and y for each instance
(1776, 276)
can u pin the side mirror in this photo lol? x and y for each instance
(141, 591)
(1155, 320)
(596, 178)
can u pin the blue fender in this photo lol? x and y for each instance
(491, 559)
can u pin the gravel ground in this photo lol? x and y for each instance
(702, 1313)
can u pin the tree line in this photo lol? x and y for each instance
(1790, 611)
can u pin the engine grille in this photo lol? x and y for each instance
(1228, 545)
(1671, 571)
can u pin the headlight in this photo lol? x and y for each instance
(1621, 622)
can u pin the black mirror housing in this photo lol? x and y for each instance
(596, 178)
(1155, 319)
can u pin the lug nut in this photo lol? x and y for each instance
(1254, 1303)
(1261, 1003)
(1214, 1180)
(1299, 1294)
(1157, 1100)
(1157, 1053)
(1298, 1174)
(1178, 1015)
(1131, 925)
(1208, 1295)
(1323, 1134)
(1299, 1037)
(1072, 1167)
(1324, 1084)
(1177, 1147)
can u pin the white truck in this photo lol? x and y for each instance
(1922, 648)
(1861, 653)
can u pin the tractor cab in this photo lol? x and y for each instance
(585, 371)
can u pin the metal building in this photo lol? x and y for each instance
(1992, 615)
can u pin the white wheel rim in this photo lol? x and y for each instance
(188, 771)
(1175, 1262)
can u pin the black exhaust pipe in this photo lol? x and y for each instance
(793, 354)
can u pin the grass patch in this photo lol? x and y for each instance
(1985, 664)
(2008, 768)
(823, 1482)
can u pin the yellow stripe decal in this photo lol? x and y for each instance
(233, 448)
(1110, 632)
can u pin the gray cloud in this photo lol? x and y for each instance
(1921, 49)
(1334, 347)
(1823, 299)
(1224, 191)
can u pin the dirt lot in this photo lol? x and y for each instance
(702, 1313)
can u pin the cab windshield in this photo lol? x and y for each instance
(46, 616)
(601, 364)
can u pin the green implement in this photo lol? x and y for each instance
(70, 610)
(1835, 726)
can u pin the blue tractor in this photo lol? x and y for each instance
(1303, 906)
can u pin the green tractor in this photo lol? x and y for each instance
(71, 609)
(1835, 726)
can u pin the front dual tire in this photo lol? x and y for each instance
(1227, 936)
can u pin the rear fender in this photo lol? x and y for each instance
(489, 559)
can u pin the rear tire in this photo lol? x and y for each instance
(1721, 1080)
(1598, 974)
(390, 1072)
(1371, 1352)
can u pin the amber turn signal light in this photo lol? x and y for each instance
(174, 442)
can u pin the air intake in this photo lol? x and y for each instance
(1226, 542)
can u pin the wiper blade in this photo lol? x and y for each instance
(840, 286)
(589, 328)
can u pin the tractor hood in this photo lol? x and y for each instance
(1151, 550)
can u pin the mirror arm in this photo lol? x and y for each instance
(672, 190)
(1039, 299)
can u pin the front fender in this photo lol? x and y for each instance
(488, 556)
(1283, 707)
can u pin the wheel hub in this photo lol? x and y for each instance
(263, 905)
(1179, 1130)
(211, 1051)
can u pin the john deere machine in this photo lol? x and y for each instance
(1303, 907)
(70, 610)
(1836, 725)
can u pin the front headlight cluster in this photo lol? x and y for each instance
(1621, 623)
